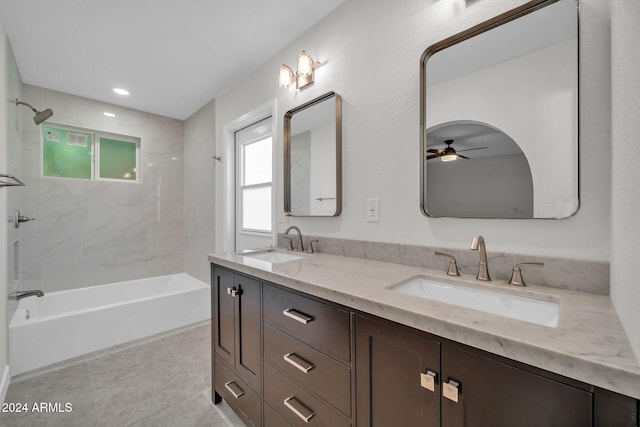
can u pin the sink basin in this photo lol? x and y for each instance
(503, 304)
(272, 256)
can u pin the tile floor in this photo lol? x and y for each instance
(164, 380)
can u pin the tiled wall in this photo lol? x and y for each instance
(199, 133)
(91, 232)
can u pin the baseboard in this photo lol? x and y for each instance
(4, 384)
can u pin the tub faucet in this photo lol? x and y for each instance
(483, 268)
(300, 247)
(24, 294)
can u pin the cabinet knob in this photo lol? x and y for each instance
(450, 390)
(428, 380)
(234, 292)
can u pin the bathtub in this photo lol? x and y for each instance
(65, 324)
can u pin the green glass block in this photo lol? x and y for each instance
(65, 153)
(117, 159)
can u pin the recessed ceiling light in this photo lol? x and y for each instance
(120, 91)
(109, 114)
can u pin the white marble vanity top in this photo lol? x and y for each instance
(589, 343)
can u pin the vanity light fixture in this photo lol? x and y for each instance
(304, 74)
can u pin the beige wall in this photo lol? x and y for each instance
(625, 194)
(374, 64)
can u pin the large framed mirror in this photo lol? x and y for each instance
(313, 157)
(499, 117)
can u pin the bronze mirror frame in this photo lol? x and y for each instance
(490, 24)
(288, 117)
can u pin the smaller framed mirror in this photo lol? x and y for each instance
(313, 157)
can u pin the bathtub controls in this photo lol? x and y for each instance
(234, 389)
(234, 292)
(19, 219)
(27, 315)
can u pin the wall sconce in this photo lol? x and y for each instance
(304, 74)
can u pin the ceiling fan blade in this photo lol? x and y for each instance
(433, 156)
(463, 157)
(470, 149)
(434, 150)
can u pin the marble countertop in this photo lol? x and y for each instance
(589, 344)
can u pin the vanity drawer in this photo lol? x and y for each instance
(272, 418)
(297, 406)
(320, 325)
(314, 371)
(237, 394)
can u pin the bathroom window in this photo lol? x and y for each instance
(69, 152)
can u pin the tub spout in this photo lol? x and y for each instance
(24, 294)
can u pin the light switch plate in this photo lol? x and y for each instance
(373, 210)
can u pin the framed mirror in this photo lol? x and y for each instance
(313, 157)
(499, 117)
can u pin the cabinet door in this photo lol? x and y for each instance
(395, 371)
(248, 330)
(492, 393)
(223, 314)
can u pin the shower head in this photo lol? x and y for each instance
(40, 116)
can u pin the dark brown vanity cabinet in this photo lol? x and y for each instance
(479, 391)
(398, 380)
(471, 388)
(237, 337)
(307, 361)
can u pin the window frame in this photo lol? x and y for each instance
(96, 135)
(264, 184)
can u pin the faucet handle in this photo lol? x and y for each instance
(290, 244)
(516, 274)
(453, 267)
(310, 249)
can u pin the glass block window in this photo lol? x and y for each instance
(69, 152)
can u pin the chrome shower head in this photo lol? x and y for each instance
(40, 116)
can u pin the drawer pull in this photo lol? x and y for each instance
(300, 410)
(234, 389)
(428, 380)
(297, 316)
(298, 362)
(450, 390)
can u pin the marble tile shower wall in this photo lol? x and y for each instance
(92, 232)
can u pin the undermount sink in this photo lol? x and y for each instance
(271, 256)
(503, 304)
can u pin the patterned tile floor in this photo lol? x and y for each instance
(164, 380)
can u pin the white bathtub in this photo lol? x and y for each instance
(66, 324)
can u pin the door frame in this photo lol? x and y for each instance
(228, 177)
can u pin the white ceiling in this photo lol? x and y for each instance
(174, 56)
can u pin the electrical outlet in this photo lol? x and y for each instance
(373, 210)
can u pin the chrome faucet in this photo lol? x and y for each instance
(483, 268)
(300, 247)
(24, 294)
